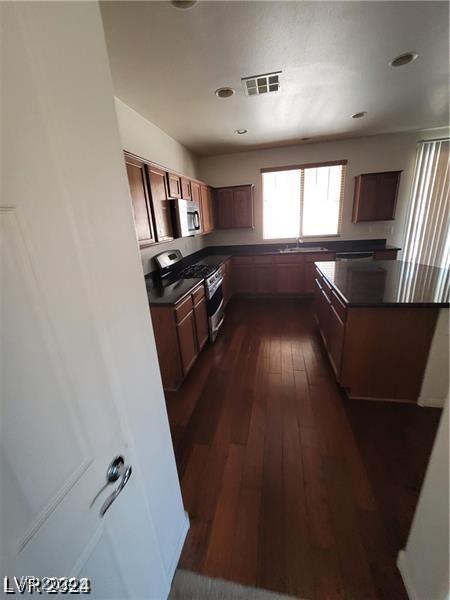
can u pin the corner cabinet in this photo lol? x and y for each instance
(140, 201)
(375, 196)
(233, 207)
(181, 331)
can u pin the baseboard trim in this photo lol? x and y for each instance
(179, 547)
(431, 402)
(402, 564)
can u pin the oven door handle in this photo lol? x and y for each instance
(219, 325)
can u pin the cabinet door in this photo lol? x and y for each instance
(187, 340)
(210, 200)
(223, 201)
(289, 278)
(195, 192)
(323, 313)
(226, 284)
(206, 210)
(140, 202)
(243, 279)
(243, 207)
(375, 196)
(201, 323)
(387, 189)
(160, 203)
(336, 329)
(174, 185)
(264, 278)
(186, 188)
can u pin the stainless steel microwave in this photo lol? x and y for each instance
(188, 217)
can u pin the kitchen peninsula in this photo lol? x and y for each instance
(377, 320)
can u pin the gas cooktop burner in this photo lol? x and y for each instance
(197, 271)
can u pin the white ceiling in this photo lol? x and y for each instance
(166, 64)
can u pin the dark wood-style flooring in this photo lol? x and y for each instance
(288, 485)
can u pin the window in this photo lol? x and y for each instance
(428, 227)
(303, 201)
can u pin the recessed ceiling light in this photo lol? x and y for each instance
(359, 115)
(183, 3)
(404, 59)
(241, 131)
(224, 92)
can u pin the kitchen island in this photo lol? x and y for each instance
(377, 321)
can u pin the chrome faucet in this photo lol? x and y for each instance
(299, 242)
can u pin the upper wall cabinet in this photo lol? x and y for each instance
(140, 201)
(375, 196)
(195, 192)
(161, 203)
(174, 182)
(186, 188)
(206, 209)
(234, 207)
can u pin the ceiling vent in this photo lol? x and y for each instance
(261, 84)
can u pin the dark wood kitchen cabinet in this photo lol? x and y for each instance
(187, 341)
(289, 272)
(243, 275)
(264, 275)
(186, 188)
(206, 209)
(227, 284)
(161, 203)
(201, 317)
(140, 201)
(174, 185)
(180, 331)
(233, 207)
(375, 196)
(195, 192)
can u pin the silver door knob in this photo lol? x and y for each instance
(126, 474)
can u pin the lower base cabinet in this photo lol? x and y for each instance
(375, 352)
(180, 331)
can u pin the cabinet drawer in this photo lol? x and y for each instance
(319, 256)
(288, 259)
(338, 306)
(263, 260)
(198, 294)
(183, 308)
(243, 260)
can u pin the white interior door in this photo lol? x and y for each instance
(79, 378)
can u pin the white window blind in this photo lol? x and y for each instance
(303, 201)
(428, 224)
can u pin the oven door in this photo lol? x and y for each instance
(216, 313)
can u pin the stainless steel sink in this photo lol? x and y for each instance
(296, 250)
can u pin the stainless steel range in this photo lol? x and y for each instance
(169, 266)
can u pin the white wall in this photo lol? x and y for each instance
(145, 139)
(375, 153)
(424, 564)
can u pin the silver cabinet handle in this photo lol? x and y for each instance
(110, 499)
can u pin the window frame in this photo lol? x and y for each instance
(302, 168)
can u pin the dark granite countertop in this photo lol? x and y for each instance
(167, 293)
(388, 283)
(214, 259)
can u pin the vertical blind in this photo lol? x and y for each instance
(428, 223)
